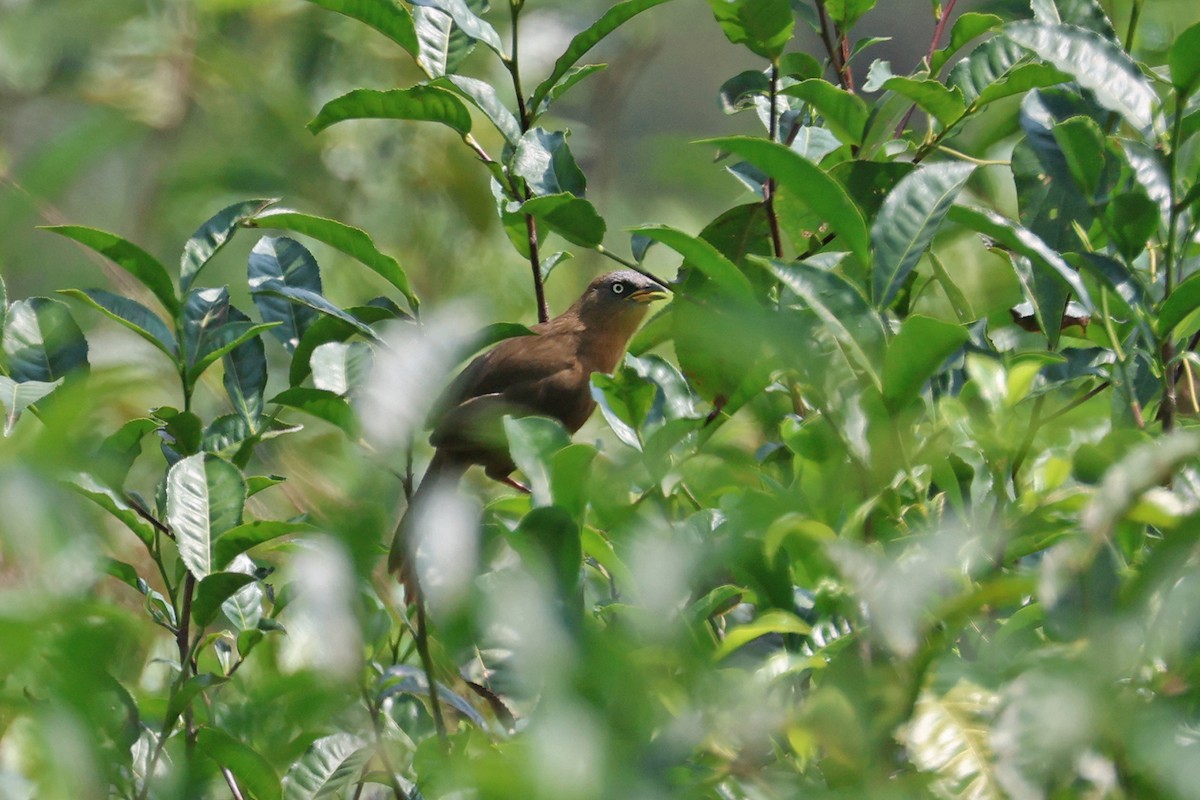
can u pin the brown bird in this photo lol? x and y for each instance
(548, 374)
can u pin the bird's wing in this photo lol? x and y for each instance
(508, 365)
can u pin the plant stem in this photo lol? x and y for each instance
(630, 264)
(769, 186)
(422, 640)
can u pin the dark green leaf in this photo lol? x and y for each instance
(1019, 80)
(246, 375)
(214, 590)
(988, 64)
(131, 314)
(1179, 304)
(483, 97)
(739, 92)
(204, 311)
(252, 770)
(351, 241)
(212, 236)
(420, 103)
(393, 20)
(205, 495)
(843, 311)
(914, 355)
(467, 21)
(216, 343)
(808, 184)
(131, 258)
(1132, 219)
(42, 342)
(584, 41)
(1083, 146)
(251, 534)
(543, 159)
(123, 572)
(571, 217)
(1096, 63)
(907, 222)
(316, 302)
(845, 113)
(119, 450)
(573, 76)
(328, 406)
(278, 262)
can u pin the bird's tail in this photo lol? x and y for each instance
(443, 471)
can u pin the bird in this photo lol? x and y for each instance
(546, 374)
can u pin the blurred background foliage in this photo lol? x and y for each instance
(145, 118)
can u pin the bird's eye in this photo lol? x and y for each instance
(618, 288)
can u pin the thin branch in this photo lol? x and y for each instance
(231, 782)
(938, 30)
(633, 265)
(422, 640)
(769, 186)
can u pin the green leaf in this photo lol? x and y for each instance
(1083, 146)
(231, 335)
(129, 257)
(114, 503)
(467, 21)
(246, 375)
(419, 103)
(1019, 80)
(204, 311)
(967, 27)
(914, 355)
(573, 76)
(334, 329)
(438, 46)
(341, 368)
(949, 737)
(845, 113)
(328, 406)
(1184, 58)
(214, 590)
(351, 241)
(483, 96)
(571, 217)
(131, 314)
(244, 608)
(624, 406)
(585, 40)
(16, 397)
(907, 222)
(41, 341)
(1132, 219)
(764, 26)
(771, 621)
(248, 535)
(205, 495)
(807, 183)
(1022, 241)
(549, 538)
(316, 302)
(544, 161)
(329, 766)
(531, 441)
(843, 311)
(391, 19)
(212, 236)
(847, 12)
(991, 62)
(739, 92)
(188, 692)
(706, 258)
(1179, 304)
(944, 104)
(275, 262)
(1080, 13)
(252, 770)
(1096, 63)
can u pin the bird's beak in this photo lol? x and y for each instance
(649, 295)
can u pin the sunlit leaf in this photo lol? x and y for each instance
(127, 255)
(205, 495)
(211, 236)
(419, 103)
(391, 19)
(42, 341)
(330, 765)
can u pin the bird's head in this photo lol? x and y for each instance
(621, 295)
